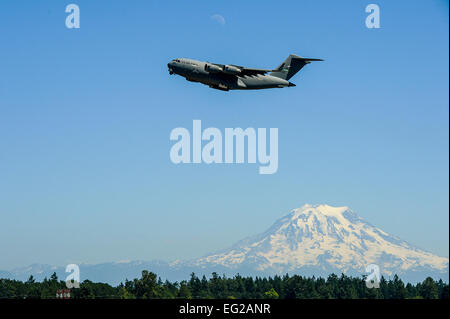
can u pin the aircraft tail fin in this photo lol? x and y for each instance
(291, 66)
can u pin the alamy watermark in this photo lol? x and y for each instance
(228, 149)
(373, 19)
(374, 277)
(73, 19)
(73, 279)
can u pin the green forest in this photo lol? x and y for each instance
(149, 286)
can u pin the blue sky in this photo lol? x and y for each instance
(85, 118)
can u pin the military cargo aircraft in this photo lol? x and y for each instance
(234, 77)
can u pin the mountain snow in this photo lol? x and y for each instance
(320, 239)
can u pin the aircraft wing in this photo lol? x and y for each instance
(251, 71)
(241, 70)
(246, 71)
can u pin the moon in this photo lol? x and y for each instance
(218, 18)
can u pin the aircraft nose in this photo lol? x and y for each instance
(170, 66)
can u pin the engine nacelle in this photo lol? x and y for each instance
(211, 68)
(229, 69)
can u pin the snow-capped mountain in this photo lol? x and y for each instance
(320, 239)
(311, 240)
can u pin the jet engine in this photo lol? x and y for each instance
(211, 68)
(229, 69)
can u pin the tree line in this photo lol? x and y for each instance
(221, 287)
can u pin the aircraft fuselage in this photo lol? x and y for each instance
(196, 71)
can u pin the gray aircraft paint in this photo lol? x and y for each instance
(233, 77)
